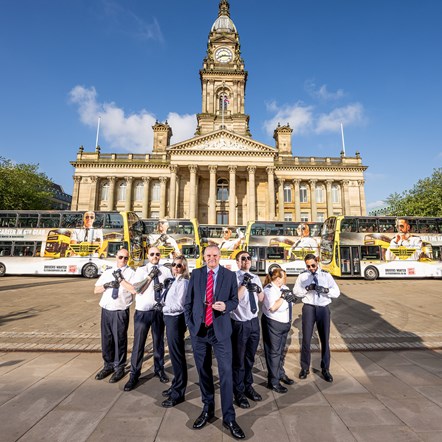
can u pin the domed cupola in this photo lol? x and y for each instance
(223, 23)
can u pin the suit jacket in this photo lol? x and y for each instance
(226, 290)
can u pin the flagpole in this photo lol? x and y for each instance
(98, 131)
(343, 142)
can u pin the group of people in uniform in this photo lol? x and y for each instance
(220, 309)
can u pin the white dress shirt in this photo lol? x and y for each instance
(243, 312)
(174, 303)
(271, 294)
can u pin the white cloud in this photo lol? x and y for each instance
(298, 116)
(348, 115)
(322, 93)
(376, 204)
(131, 133)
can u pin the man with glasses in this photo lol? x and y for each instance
(87, 233)
(305, 241)
(117, 295)
(316, 287)
(245, 331)
(403, 238)
(150, 282)
(162, 239)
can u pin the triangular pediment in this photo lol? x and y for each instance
(221, 140)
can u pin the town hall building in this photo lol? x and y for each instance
(221, 175)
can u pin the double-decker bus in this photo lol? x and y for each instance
(66, 242)
(382, 247)
(281, 244)
(174, 237)
(230, 239)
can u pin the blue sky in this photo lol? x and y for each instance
(374, 65)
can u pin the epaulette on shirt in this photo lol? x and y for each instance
(324, 271)
(268, 286)
(304, 271)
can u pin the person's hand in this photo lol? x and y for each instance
(158, 307)
(310, 287)
(254, 288)
(158, 287)
(321, 289)
(112, 285)
(118, 275)
(220, 306)
(247, 278)
(168, 282)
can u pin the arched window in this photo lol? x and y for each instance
(303, 194)
(287, 193)
(222, 190)
(104, 191)
(320, 194)
(223, 102)
(122, 191)
(336, 193)
(139, 188)
(155, 192)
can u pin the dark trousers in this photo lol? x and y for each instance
(274, 336)
(245, 340)
(143, 321)
(114, 325)
(202, 352)
(312, 314)
(175, 330)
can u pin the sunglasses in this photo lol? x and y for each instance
(154, 254)
(178, 266)
(313, 266)
(89, 217)
(246, 258)
(123, 257)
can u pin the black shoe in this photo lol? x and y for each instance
(163, 378)
(253, 395)
(167, 393)
(131, 383)
(202, 419)
(287, 380)
(278, 388)
(242, 401)
(117, 376)
(327, 376)
(235, 429)
(104, 373)
(169, 403)
(303, 373)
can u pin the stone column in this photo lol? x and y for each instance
(346, 197)
(172, 191)
(252, 193)
(111, 198)
(128, 202)
(192, 194)
(146, 190)
(232, 195)
(271, 188)
(93, 193)
(329, 198)
(281, 199)
(296, 185)
(362, 197)
(163, 192)
(75, 192)
(212, 195)
(313, 199)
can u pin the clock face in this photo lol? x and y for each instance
(223, 55)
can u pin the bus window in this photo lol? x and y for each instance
(413, 225)
(8, 219)
(428, 226)
(27, 220)
(113, 221)
(367, 225)
(23, 248)
(5, 248)
(71, 220)
(371, 252)
(49, 220)
(275, 253)
(349, 225)
(387, 225)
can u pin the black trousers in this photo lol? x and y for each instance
(114, 325)
(311, 315)
(274, 336)
(202, 352)
(143, 321)
(175, 330)
(245, 340)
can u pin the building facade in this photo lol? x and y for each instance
(221, 175)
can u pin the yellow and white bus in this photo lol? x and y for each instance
(65, 242)
(281, 244)
(230, 239)
(382, 247)
(174, 237)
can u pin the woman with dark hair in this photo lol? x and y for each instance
(276, 323)
(173, 311)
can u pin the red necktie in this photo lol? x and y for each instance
(209, 299)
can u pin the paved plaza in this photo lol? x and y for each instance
(386, 341)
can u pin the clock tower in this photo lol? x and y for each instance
(223, 79)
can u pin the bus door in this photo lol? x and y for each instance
(350, 261)
(258, 255)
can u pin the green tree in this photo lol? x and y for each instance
(23, 187)
(424, 199)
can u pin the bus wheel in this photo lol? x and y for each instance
(2, 269)
(273, 267)
(371, 273)
(90, 271)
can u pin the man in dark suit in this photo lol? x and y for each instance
(211, 295)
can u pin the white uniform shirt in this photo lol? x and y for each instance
(271, 294)
(174, 303)
(412, 242)
(92, 235)
(124, 299)
(146, 300)
(312, 297)
(243, 312)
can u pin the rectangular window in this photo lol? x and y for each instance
(320, 217)
(304, 217)
(288, 217)
(303, 197)
(155, 192)
(222, 217)
(287, 193)
(139, 190)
